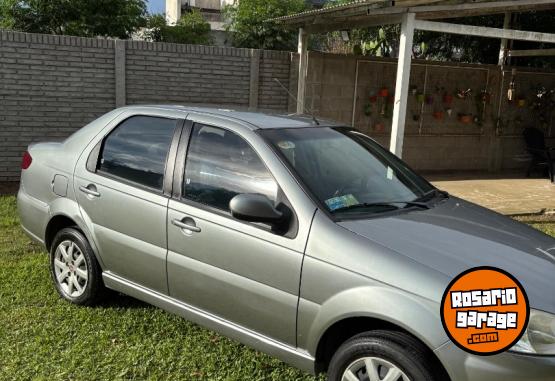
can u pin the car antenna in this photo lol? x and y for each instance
(309, 112)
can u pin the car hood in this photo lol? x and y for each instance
(456, 235)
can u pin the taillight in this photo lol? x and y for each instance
(27, 160)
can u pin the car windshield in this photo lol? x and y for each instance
(348, 172)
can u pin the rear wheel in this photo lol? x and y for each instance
(382, 356)
(74, 269)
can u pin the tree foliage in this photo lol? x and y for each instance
(383, 41)
(191, 28)
(88, 18)
(248, 22)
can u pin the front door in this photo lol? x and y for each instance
(241, 272)
(122, 199)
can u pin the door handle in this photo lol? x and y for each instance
(89, 190)
(189, 225)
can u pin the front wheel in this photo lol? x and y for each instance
(383, 356)
(74, 269)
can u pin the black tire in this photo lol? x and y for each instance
(397, 348)
(94, 288)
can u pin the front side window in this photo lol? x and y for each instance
(220, 165)
(348, 172)
(137, 149)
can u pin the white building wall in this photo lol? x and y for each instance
(173, 11)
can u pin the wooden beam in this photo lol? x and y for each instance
(354, 22)
(424, 12)
(413, 3)
(471, 30)
(474, 9)
(504, 41)
(402, 84)
(532, 53)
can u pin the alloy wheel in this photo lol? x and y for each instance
(70, 269)
(373, 369)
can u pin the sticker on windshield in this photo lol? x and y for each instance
(285, 144)
(341, 202)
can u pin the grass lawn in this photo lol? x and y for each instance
(43, 337)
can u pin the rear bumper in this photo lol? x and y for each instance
(507, 366)
(33, 215)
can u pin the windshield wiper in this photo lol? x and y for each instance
(432, 194)
(389, 204)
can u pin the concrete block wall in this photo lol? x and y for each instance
(431, 144)
(174, 73)
(50, 86)
(274, 65)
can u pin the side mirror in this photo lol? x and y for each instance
(255, 208)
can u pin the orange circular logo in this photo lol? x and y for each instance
(485, 311)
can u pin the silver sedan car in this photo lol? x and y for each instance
(306, 240)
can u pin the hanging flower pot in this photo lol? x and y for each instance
(465, 118)
(420, 98)
(384, 92)
(429, 99)
(368, 109)
(486, 97)
(416, 117)
(448, 99)
(463, 94)
(439, 115)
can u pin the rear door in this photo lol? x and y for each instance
(121, 191)
(242, 272)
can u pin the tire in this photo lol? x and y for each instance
(384, 350)
(74, 269)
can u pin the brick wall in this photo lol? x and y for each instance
(172, 73)
(51, 86)
(432, 143)
(274, 65)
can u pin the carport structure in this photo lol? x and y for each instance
(413, 15)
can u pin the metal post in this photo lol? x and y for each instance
(504, 41)
(402, 85)
(303, 70)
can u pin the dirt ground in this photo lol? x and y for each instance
(511, 196)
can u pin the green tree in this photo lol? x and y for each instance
(383, 41)
(88, 18)
(248, 22)
(191, 28)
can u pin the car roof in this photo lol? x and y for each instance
(255, 120)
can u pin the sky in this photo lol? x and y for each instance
(156, 6)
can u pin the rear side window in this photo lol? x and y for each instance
(221, 165)
(137, 149)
